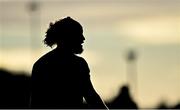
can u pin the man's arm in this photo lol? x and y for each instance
(92, 98)
(89, 93)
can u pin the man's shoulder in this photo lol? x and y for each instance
(80, 59)
(83, 64)
(44, 58)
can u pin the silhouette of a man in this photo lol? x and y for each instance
(60, 78)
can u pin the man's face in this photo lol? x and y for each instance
(75, 40)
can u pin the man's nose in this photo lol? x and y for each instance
(82, 38)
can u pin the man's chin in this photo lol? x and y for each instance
(78, 51)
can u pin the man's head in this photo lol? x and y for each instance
(66, 33)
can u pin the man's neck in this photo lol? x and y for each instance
(64, 50)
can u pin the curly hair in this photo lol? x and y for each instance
(61, 30)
